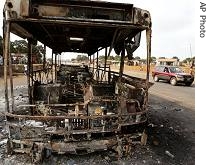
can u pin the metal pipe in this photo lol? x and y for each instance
(122, 62)
(109, 75)
(51, 105)
(61, 117)
(44, 58)
(113, 40)
(120, 79)
(52, 67)
(56, 68)
(90, 61)
(29, 70)
(11, 78)
(6, 30)
(58, 60)
(97, 75)
(93, 63)
(104, 73)
(148, 38)
(32, 71)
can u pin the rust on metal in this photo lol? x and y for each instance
(6, 56)
(77, 108)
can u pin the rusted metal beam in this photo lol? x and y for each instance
(46, 31)
(55, 67)
(103, 74)
(113, 39)
(69, 147)
(44, 58)
(51, 105)
(6, 55)
(122, 62)
(109, 75)
(148, 38)
(11, 79)
(29, 70)
(58, 60)
(93, 63)
(44, 118)
(90, 58)
(52, 66)
(97, 75)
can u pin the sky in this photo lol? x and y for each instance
(173, 27)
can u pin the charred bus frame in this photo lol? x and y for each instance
(74, 110)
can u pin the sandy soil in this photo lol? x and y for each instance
(171, 137)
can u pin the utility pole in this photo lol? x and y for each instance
(190, 52)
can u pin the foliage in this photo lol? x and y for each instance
(152, 59)
(82, 58)
(116, 58)
(137, 58)
(101, 58)
(39, 51)
(111, 58)
(189, 60)
(21, 46)
(175, 57)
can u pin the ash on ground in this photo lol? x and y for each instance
(171, 138)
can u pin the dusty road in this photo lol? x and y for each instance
(171, 131)
(179, 94)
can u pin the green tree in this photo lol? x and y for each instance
(117, 58)
(161, 57)
(152, 59)
(187, 60)
(38, 51)
(175, 57)
(137, 58)
(82, 58)
(111, 58)
(101, 58)
(21, 46)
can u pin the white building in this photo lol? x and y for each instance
(168, 61)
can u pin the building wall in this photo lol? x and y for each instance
(172, 63)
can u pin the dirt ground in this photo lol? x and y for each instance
(171, 137)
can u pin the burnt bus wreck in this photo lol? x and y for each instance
(76, 109)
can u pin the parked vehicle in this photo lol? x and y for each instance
(172, 74)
